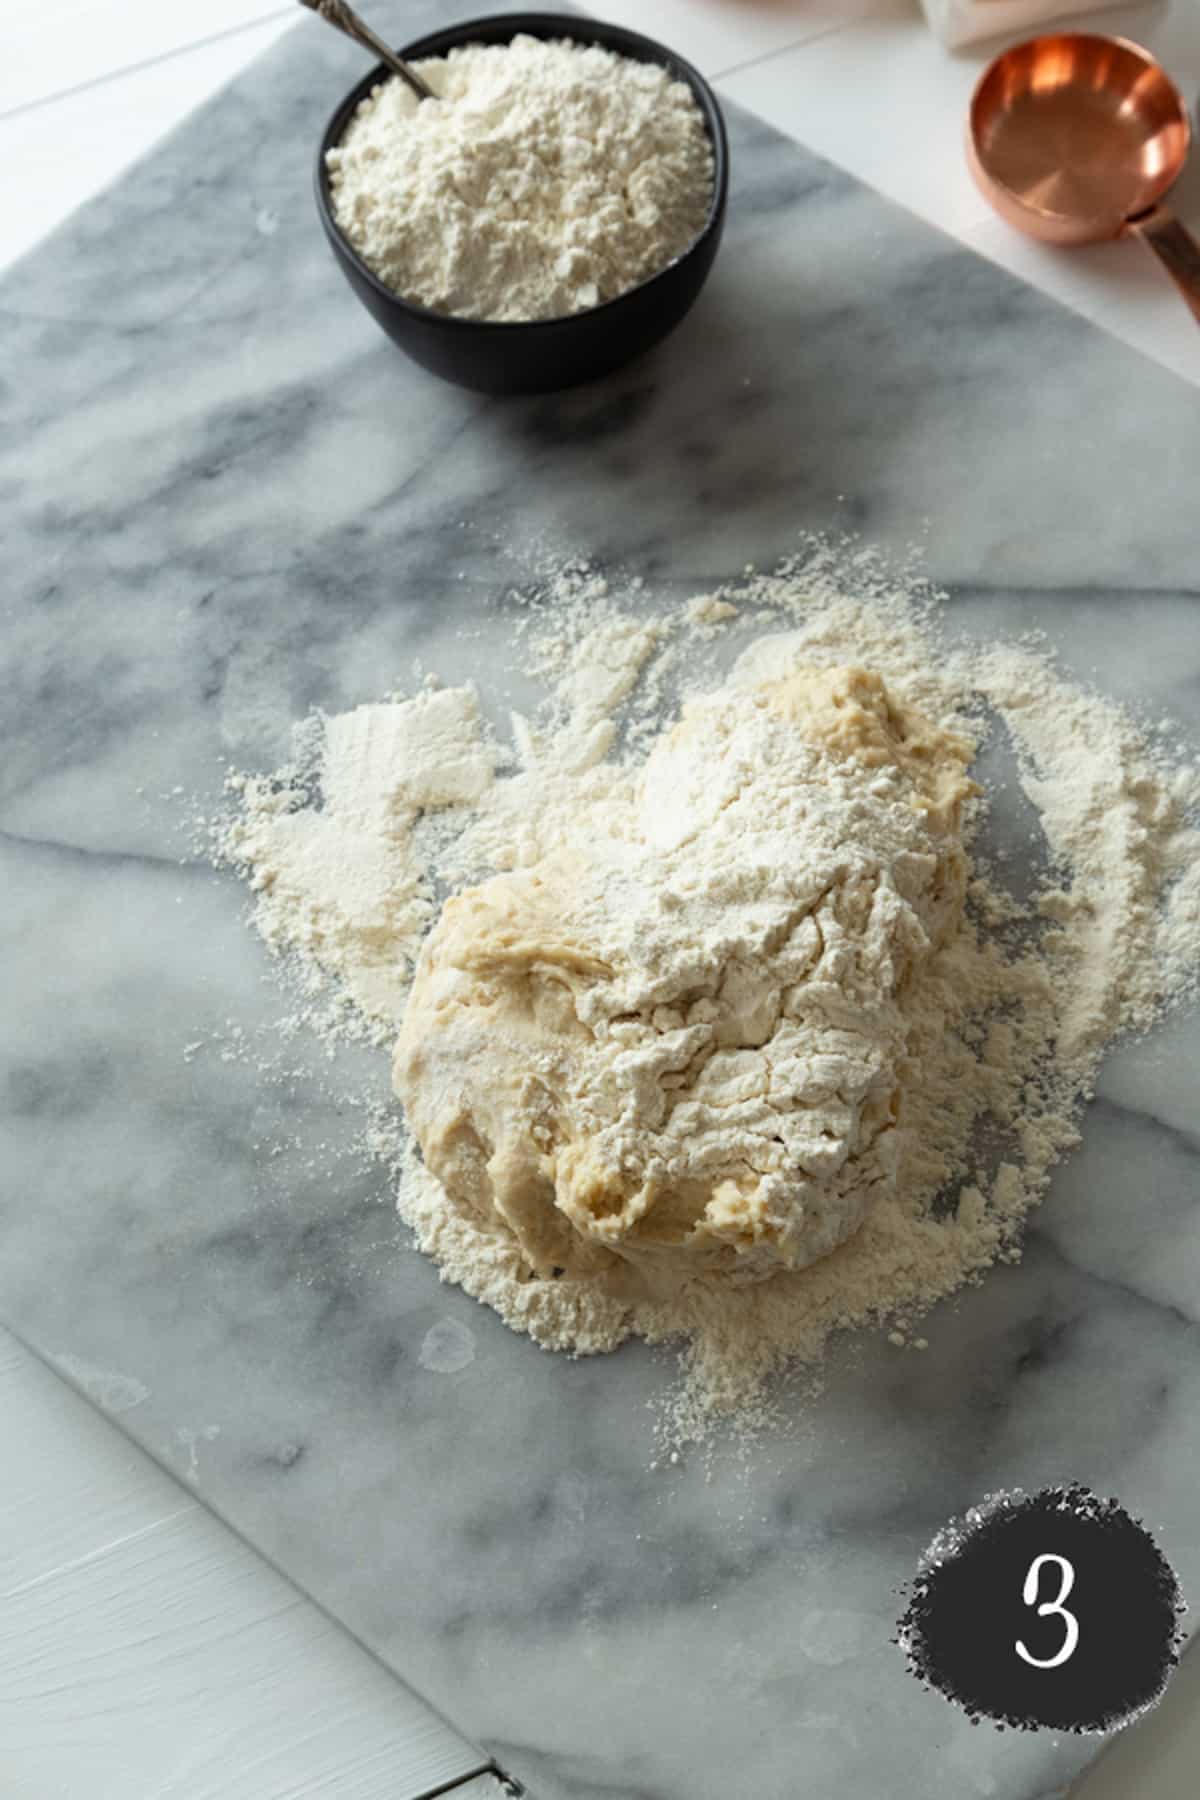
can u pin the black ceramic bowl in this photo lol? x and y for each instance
(548, 353)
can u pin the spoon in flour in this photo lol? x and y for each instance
(336, 12)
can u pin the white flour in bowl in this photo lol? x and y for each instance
(546, 178)
(727, 1034)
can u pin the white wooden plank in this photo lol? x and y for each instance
(145, 1651)
(69, 1485)
(70, 149)
(176, 1664)
(720, 35)
(57, 45)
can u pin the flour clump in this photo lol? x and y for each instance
(338, 881)
(547, 177)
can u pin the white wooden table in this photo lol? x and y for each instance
(146, 1653)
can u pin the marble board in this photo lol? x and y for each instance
(227, 500)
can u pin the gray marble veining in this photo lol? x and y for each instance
(228, 499)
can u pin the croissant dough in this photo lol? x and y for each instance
(676, 1044)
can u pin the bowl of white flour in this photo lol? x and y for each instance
(550, 216)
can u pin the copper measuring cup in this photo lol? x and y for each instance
(1075, 139)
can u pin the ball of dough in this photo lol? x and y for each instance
(671, 1048)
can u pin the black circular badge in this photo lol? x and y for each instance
(1051, 1610)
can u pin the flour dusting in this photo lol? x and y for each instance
(714, 1019)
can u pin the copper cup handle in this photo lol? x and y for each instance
(1175, 248)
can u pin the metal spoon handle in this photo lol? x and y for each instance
(336, 12)
(1175, 248)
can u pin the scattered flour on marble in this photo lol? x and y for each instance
(191, 1439)
(644, 952)
(340, 883)
(547, 177)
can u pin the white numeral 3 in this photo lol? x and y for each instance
(1048, 1607)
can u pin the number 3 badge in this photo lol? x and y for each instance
(1054, 1610)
